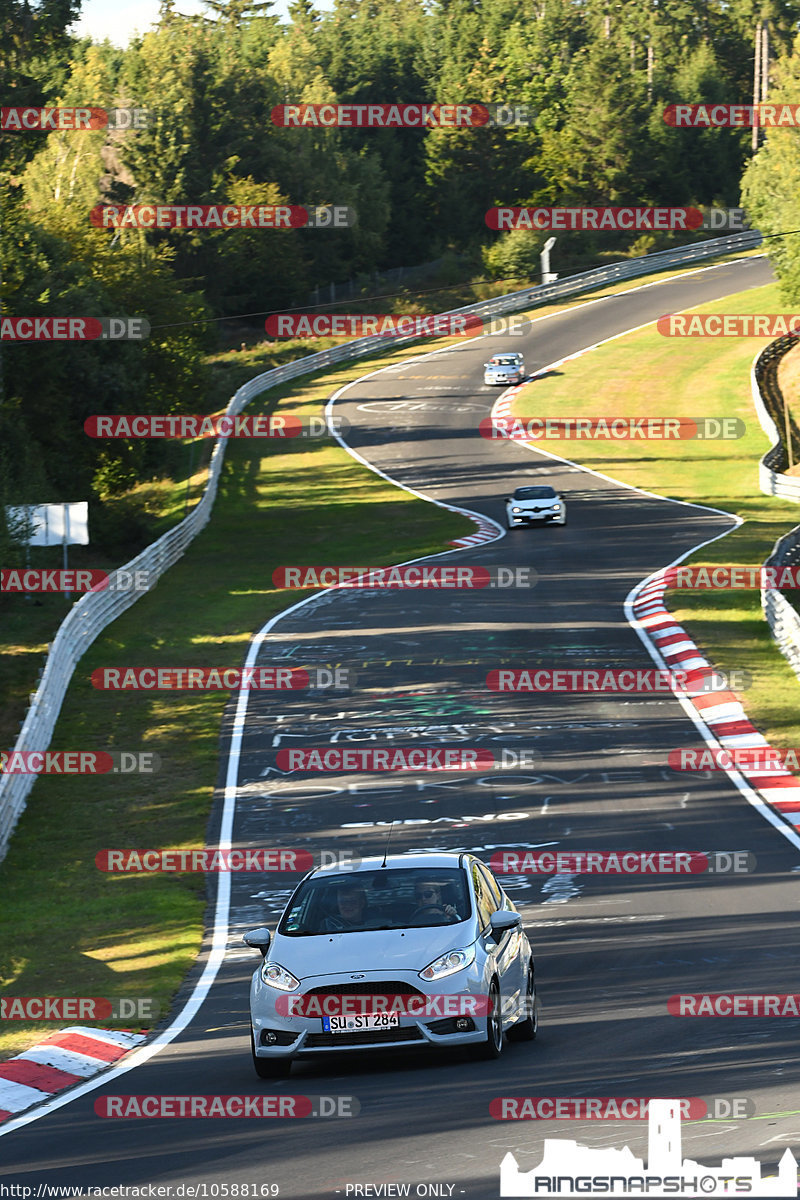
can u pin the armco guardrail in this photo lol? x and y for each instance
(783, 618)
(768, 402)
(779, 613)
(96, 610)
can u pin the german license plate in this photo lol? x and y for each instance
(351, 1024)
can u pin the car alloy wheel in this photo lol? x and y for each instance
(526, 1029)
(493, 1044)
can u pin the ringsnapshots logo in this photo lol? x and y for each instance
(612, 429)
(414, 577)
(74, 329)
(402, 116)
(49, 120)
(79, 762)
(569, 1169)
(79, 1008)
(622, 862)
(698, 681)
(705, 325)
(222, 216)
(356, 325)
(221, 679)
(732, 116)
(185, 427)
(633, 219)
(214, 860)
(236, 1106)
(120, 580)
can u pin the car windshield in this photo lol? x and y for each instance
(504, 360)
(387, 898)
(534, 493)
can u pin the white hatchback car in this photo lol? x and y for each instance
(504, 368)
(535, 505)
(412, 951)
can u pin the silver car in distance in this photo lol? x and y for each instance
(504, 368)
(413, 950)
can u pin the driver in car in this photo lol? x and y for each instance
(428, 896)
(351, 910)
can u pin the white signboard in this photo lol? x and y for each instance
(54, 524)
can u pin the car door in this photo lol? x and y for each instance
(511, 962)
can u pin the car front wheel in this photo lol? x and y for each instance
(492, 1046)
(526, 1029)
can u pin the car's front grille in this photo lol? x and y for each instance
(364, 1037)
(378, 987)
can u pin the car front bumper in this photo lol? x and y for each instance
(435, 1029)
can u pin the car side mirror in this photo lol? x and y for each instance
(258, 939)
(502, 921)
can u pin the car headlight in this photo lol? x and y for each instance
(448, 964)
(556, 507)
(278, 977)
(516, 510)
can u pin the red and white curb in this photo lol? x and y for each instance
(66, 1058)
(721, 712)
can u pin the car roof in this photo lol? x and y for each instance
(434, 861)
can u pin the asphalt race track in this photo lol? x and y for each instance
(610, 950)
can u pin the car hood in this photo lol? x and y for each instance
(536, 503)
(374, 950)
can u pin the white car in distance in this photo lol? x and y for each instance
(537, 504)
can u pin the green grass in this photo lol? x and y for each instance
(647, 374)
